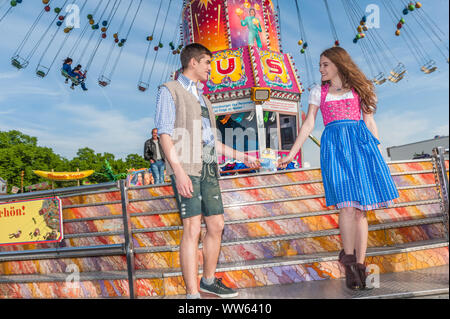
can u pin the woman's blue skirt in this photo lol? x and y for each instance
(354, 172)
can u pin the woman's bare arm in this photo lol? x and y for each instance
(305, 131)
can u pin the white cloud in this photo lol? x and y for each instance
(9, 75)
(398, 129)
(3, 113)
(102, 130)
(108, 131)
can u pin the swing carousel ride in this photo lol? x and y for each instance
(254, 86)
(124, 241)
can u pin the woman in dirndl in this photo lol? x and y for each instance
(355, 176)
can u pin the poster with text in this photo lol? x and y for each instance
(30, 222)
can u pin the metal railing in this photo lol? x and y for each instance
(442, 180)
(75, 190)
(125, 248)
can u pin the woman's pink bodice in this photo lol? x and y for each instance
(345, 109)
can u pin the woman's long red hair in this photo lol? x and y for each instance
(352, 77)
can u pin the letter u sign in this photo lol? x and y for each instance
(231, 66)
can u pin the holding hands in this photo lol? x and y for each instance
(251, 161)
(284, 161)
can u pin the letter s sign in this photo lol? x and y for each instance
(274, 66)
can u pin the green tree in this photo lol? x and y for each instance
(14, 137)
(87, 159)
(136, 161)
(20, 152)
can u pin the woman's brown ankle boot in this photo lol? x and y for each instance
(352, 277)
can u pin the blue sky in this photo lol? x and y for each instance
(118, 119)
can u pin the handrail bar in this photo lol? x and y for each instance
(311, 169)
(63, 252)
(60, 191)
(74, 190)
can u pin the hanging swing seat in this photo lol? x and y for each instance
(103, 81)
(142, 86)
(395, 79)
(19, 62)
(42, 71)
(399, 70)
(397, 73)
(429, 67)
(16, 63)
(379, 79)
(67, 76)
(428, 71)
(379, 82)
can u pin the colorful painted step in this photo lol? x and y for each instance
(168, 282)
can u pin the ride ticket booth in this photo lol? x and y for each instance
(253, 86)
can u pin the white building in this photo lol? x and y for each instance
(422, 149)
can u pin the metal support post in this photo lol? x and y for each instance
(129, 249)
(438, 154)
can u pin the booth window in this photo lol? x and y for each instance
(239, 131)
(271, 128)
(288, 132)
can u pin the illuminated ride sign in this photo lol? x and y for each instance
(228, 71)
(275, 70)
(237, 71)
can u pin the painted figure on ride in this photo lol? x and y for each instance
(254, 28)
